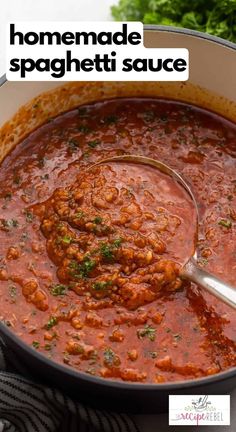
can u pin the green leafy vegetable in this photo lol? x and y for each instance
(216, 17)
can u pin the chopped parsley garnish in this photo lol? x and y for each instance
(73, 144)
(107, 249)
(86, 154)
(8, 196)
(226, 223)
(110, 119)
(177, 337)
(80, 214)
(17, 180)
(58, 290)
(147, 331)
(148, 116)
(66, 239)
(35, 344)
(10, 223)
(117, 242)
(24, 236)
(202, 261)
(29, 216)
(97, 220)
(109, 355)
(51, 323)
(44, 177)
(93, 144)
(47, 347)
(152, 354)
(83, 270)
(101, 286)
(84, 129)
(12, 291)
(110, 358)
(41, 162)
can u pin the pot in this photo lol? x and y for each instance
(212, 85)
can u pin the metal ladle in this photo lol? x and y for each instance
(190, 270)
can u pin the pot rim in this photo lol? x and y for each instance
(129, 386)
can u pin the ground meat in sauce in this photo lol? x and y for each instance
(67, 247)
(112, 235)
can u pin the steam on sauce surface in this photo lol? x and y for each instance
(89, 259)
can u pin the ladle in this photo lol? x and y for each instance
(190, 270)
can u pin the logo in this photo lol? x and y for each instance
(199, 410)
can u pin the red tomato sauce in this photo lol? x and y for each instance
(90, 258)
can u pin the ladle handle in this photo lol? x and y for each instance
(215, 286)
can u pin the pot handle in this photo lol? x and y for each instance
(211, 283)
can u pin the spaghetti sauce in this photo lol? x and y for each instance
(90, 256)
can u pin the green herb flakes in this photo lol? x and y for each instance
(58, 290)
(148, 332)
(66, 240)
(177, 337)
(73, 144)
(12, 291)
(83, 269)
(79, 215)
(226, 223)
(51, 323)
(107, 249)
(111, 119)
(94, 143)
(84, 129)
(110, 358)
(9, 223)
(101, 286)
(29, 216)
(97, 220)
(35, 344)
(8, 196)
(48, 347)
